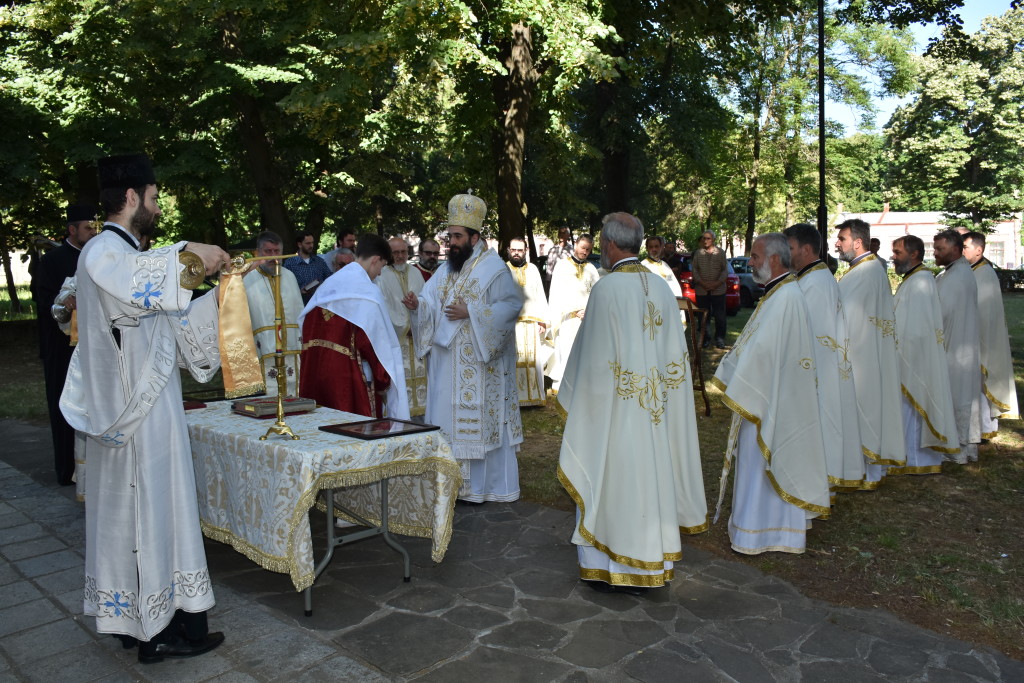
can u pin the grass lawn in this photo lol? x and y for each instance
(944, 552)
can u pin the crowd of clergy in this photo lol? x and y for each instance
(836, 385)
(832, 385)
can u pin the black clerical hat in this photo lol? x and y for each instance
(126, 170)
(81, 212)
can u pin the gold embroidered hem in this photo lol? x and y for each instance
(878, 460)
(638, 580)
(592, 540)
(770, 549)
(699, 529)
(924, 416)
(922, 469)
(820, 510)
(1005, 415)
(989, 435)
(837, 483)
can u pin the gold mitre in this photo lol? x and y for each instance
(467, 210)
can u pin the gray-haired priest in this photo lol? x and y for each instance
(775, 442)
(630, 457)
(145, 568)
(464, 323)
(395, 281)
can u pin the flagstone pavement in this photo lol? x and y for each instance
(503, 606)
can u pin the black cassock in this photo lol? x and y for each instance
(55, 351)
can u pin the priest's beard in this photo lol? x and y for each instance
(457, 257)
(848, 255)
(762, 274)
(143, 223)
(518, 261)
(901, 267)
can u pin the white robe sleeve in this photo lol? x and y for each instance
(139, 282)
(493, 322)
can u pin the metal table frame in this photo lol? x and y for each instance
(335, 541)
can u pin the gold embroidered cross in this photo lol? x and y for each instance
(652, 320)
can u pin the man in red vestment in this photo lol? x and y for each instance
(351, 359)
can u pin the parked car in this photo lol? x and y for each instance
(732, 286)
(750, 291)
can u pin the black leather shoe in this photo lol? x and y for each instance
(178, 647)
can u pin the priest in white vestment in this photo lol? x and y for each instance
(464, 324)
(571, 282)
(146, 576)
(630, 458)
(998, 386)
(928, 421)
(837, 397)
(775, 441)
(396, 281)
(867, 300)
(653, 263)
(531, 328)
(259, 291)
(958, 294)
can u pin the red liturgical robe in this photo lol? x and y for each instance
(333, 352)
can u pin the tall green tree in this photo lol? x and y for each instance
(960, 138)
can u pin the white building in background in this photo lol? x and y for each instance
(1002, 246)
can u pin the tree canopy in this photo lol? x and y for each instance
(315, 115)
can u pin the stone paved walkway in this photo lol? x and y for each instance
(503, 606)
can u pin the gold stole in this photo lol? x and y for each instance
(238, 359)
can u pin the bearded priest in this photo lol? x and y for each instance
(998, 386)
(929, 424)
(571, 282)
(146, 577)
(531, 328)
(351, 358)
(958, 294)
(397, 280)
(630, 458)
(464, 324)
(867, 299)
(837, 396)
(775, 442)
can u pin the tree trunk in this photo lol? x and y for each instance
(513, 95)
(5, 255)
(266, 181)
(259, 151)
(378, 213)
(614, 155)
(752, 179)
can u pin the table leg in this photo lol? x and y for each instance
(385, 531)
(333, 540)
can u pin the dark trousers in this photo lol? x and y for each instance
(55, 371)
(715, 303)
